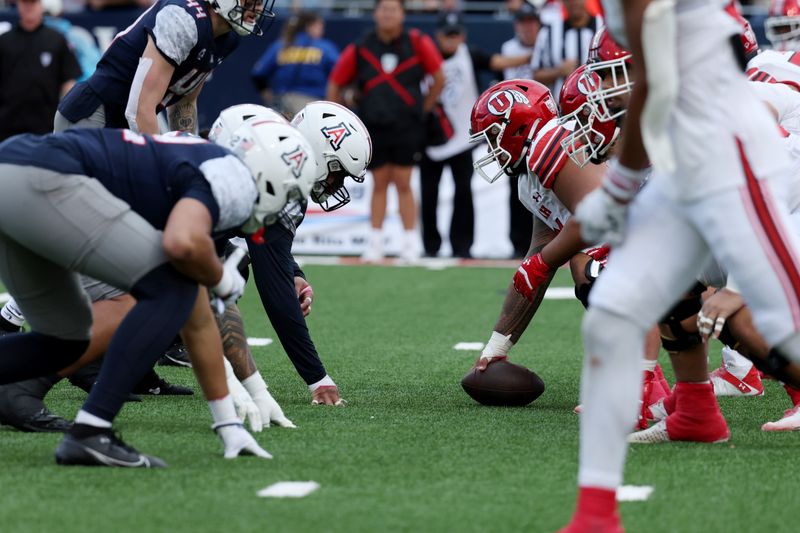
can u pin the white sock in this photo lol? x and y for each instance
(327, 381)
(223, 410)
(610, 388)
(13, 313)
(498, 345)
(648, 365)
(255, 385)
(376, 237)
(89, 419)
(735, 363)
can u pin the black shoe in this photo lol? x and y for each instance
(7, 328)
(153, 384)
(85, 378)
(22, 406)
(176, 355)
(89, 446)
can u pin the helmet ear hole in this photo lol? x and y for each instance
(270, 189)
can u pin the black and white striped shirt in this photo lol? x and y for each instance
(560, 41)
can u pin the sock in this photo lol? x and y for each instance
(596, 502)
(12, 314)
(735, 363)
(164, 300)
(30, 355)
(794, 394)
(89, 419)
(697, 416)
(661, 379)
(498, 345)
(610, 389)
(223, 410)
(648, 365)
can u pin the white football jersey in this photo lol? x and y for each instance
(774, 66)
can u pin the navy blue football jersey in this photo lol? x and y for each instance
(181, 30)
(150, 173)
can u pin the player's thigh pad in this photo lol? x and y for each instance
(96, 120)
(750, 234)
(656, 264)
(48, 294)
(99, 290)
(76, 223)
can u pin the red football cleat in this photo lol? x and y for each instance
(596, 512)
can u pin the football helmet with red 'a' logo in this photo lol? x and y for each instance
(590, 138)
(748, 36)
(282, 162)
(783, 24)
(507, 116)
(342, 146)
(610, 62)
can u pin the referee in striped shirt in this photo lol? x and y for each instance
(564, 45)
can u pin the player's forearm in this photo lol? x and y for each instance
(632, 153)
(567, 243)
(546, 76)
(183, 116)
(202, 338)
(234, 343)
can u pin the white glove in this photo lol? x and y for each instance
(246, 408)
(231, 286)
(237, 441)
(602, 218)
(269, 408)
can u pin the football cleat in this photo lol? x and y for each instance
(176, 355)
(652, 435)
(580, 524)
(789, 422)
(22, 406)
(154, 385)
(101, 447)
(727, 384)
(652, 393)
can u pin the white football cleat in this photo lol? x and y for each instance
(658, 411)
(654, 434)
(727, 384)
(789, 422)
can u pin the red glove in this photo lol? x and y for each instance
(530, 275)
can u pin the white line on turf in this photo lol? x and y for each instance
(255, 341)
(289, 489)
(634, 493)
(469, 346)
(559, 293)
(4, 297)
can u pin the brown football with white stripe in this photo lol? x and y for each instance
(503, 384)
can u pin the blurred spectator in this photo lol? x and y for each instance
(388, 66)
(97, 5)
(294, 70)
(526, 31)
(461, 66)
(36, 69)
(562, 46)
(79, 39)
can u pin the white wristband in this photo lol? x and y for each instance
(498, 345)
(222, 410)
(255, 384)
(324, 382)
(621, 182)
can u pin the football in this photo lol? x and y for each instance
(503, 384)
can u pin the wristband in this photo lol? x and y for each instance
(621, 182)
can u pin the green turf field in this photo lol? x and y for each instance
(410, 452)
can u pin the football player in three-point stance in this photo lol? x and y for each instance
(702, 197)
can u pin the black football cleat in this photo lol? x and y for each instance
(89, 446)
(22, 406)
(85, 378)
(176, 355)
(154, 385)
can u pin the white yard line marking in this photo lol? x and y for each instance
(634, 493)
(560, 293)
(469, 346)
(4, 297)
(255, 341)
(289, 489)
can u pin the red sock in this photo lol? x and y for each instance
(697, 416)
(596, 502)
(661, 379)
(671, 400)
(793, 393)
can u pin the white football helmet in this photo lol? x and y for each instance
(246, 17)
(282, 163)
(234, 116)
(343, 148)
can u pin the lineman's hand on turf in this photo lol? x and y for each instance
(304, 293)
(327, 395)
(530, 275)
(716, 310)
(483, 362)
(237, 441)
(247, 408)
(271, 412)
(231, 285)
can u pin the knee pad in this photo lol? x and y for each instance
(591, 271)
(681, 339)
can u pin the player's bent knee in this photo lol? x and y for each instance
(678, 328)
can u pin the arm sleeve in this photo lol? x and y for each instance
(429, 56)
(174, 33)
(344, 72)
(70, 69)
(480, 59)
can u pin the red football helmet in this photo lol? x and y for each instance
(590, 137)
(748, 37)
(783, 24)
(610, 62)
(507, 116)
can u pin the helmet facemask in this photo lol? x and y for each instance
(493, 136)
(584, 143)
(236, 11)
(783, 32)
(617, 71)
(330, 192)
